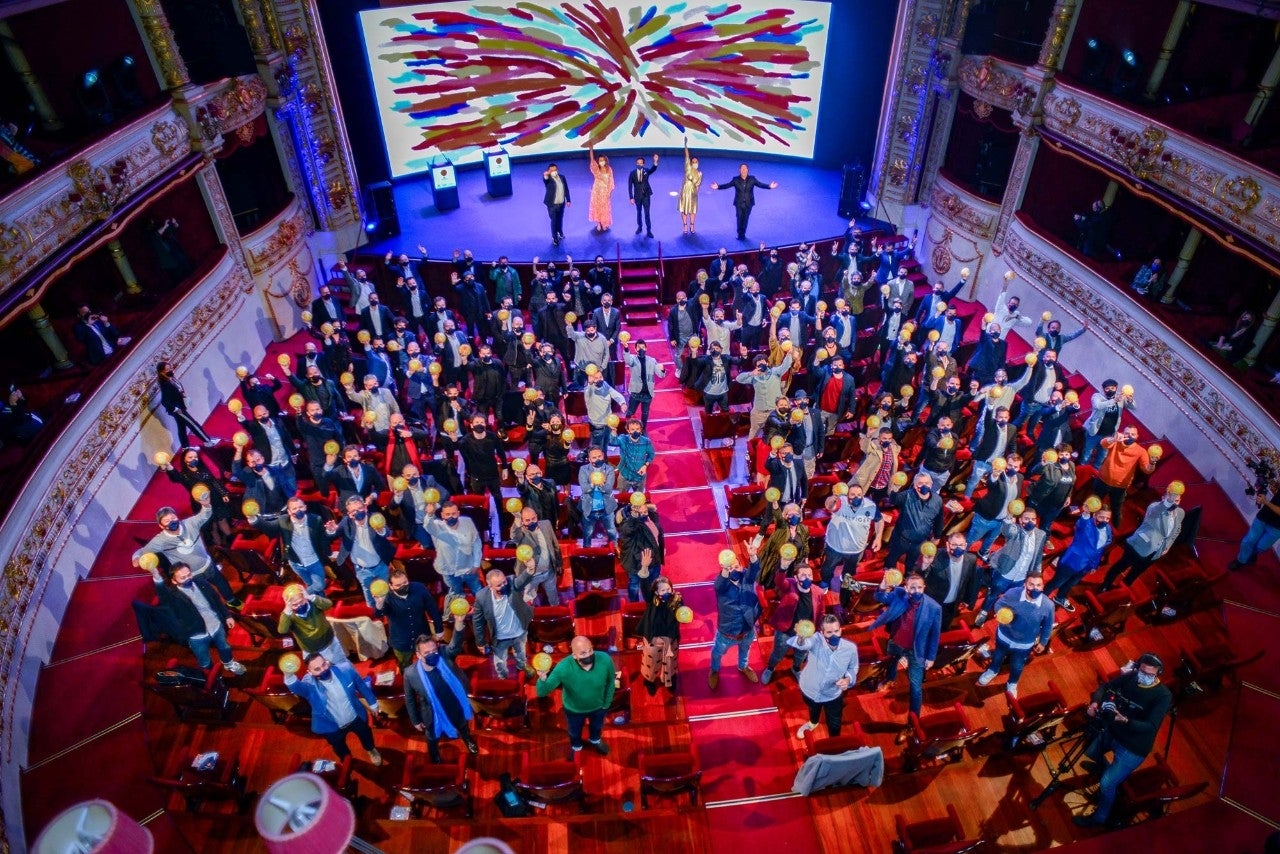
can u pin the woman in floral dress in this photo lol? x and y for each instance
(600, 210)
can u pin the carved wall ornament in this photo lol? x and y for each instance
(898, 172)
(1068, 110)
(927, 27)
(97, 191)
(278, 245)
(338, 195)
(916, 78)
(1140, 151)
(1055, 43)
(1241, 193)
(167, 137)
(295, 40)
(242, 101)
(986, 79)
(982, 109)
(299, 285)
(12, 244)
(906, 127)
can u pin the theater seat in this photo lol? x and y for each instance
(667, 774)
(429, 786)
(550, 783)
(933, 835)
(938, 737)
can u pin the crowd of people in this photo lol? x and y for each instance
(891, 452)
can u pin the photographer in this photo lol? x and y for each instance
(1131, 708)
(1264, 531)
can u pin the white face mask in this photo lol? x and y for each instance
(1146, 680)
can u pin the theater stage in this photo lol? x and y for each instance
(802, 208)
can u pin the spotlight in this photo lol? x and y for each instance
(92, 95)
(371, 226)
(1128, 77)
(1130, 58)
(1097, 56)
(90, 78)
(122, 75)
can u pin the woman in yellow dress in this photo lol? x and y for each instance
(688, 204)
(600, 210)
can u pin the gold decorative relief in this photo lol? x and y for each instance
(1140, 150)
(167, 137)
(339, 195)
(1241, 194)
(97, 191)
(278, 245)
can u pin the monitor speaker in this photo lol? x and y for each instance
(853, 184)
(381, 220)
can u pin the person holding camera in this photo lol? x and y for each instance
(1130, 709)
(1264, 531)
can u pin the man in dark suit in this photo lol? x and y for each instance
(951, 577)
(326, 309)
(377, 319)
(640, 193)
(185, 601)
(914, 622)
(434, 681)
(556, 197)
(98, 336)
(353, 478)
(272, 438)
(744, 197)
(261, 483)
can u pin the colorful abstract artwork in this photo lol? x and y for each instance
(545, 77)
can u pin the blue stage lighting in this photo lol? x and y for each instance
(371, 226)
(1130, 58)
(91, 78)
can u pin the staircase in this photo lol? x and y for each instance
(640, 291)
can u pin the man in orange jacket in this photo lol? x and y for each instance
(1124, 457)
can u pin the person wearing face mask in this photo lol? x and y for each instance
(488, 383)
(598, 504)
(786, 474)
(303, 619)
(832, 670)
(377, 319)
(946, 400)
(315, 386)
(1051, 332)
(276, 444)
(950, 329)
(1043, 381)
(683, 321)
(547, 563)
(305, 541)
(991, 511)
(710, 375)
(326, 308)
(381, 402)
(659, 633)
(879, 462)
(436, 689)
(556, 197)
(1055, 426)
(173, 399)
(1125, 458)
(737, 611)
(538, 493)
(608, 322)
(178, 541)
(257, 393)
(506, 281)
(586, 680)
(848, 534)
(459, 547)
(484, 456)
(890, 330)
(369, 549)
(635, 455)
(501, 618)
(999, 438)
(914, 623)
(798, 599)
(473, 303)
(1029, 631)
(1051, 492)
(589, 348)
(352, 478)
(1000, 393)
(1089, 544)
(334, 691)
(938, 457)
(1020, 555)
(187, 469)
(411, 611)
(196, 611)
(358, 286)
(836, 393)
(719, 331)
(782, 425)
(600, 398)
(1007, 310)
(990, 356)
(645, 371)
(1161, 526)
(750, 306)
(642, 546)
(937, 296)
(951, 577)
(1141, 703)
(767, 384)
(919, 519)
(1107, 407)
(411, 503)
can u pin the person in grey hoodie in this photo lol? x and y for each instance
(599, 397)
(589, 348)
(768, 388)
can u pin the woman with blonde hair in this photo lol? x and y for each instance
(600, 210)
(659, 632)
(688, 203)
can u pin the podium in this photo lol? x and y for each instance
(444, 185)
(497, 172)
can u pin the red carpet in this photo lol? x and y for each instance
(123, 540)
(676, 469)
(671, 435)
(745, 757)
(772, 826)
(692, 557)
(104, 689)
(1253, 777)
(687, 510)
(668, 404)
(99, 615)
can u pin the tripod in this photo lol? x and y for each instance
(1074, 747)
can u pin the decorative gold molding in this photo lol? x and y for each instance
(164, 46)
(262, 255)
(232, 107)
(1208, 397)
(947, 202)
(990, 81)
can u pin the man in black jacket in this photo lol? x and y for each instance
(196, 609)
(1132, 707)
(488, 383)
(641, 193)
(305, 541)
(317, 431)
(951, 578)
(556, 197)
(433, 681)
(744, 197)
(273, 439)
(353, 477)
(483, 454)
(411, 612)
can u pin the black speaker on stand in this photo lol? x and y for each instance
(381, 222)
(853, 183)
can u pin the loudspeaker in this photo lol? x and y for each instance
(853, 184)
(380, 217)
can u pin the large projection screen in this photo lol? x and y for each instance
(546, 77)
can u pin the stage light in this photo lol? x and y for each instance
(1128, 78)
(371, 226)
(91, 78)
(1097, 56)
(91, 94)
(865, 207)
(1130, 58)
(1093, 44)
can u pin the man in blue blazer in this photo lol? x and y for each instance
(334, 691)
(914, 622)
(1093, 537)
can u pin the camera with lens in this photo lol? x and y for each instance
(1264, 472)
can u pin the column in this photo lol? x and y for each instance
(40, 320)
(1019, 172)
(18, 59)
(1062, 24)
(161, 44)
(1184, 261)
(1265, 90)
(1269, 321)
(1176, 25)
(131, 286)
(1109, 194)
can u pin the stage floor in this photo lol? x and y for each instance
(802, 208)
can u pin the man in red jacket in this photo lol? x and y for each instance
(798, 599)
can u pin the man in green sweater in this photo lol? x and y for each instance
(303, 617)
(587, 679)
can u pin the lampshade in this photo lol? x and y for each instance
(94, 826)
(300, 814)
